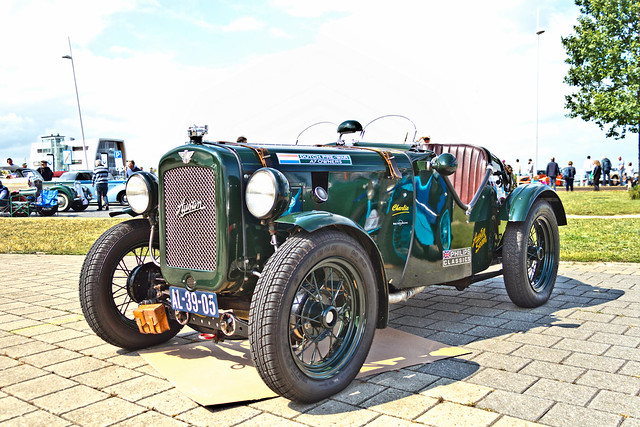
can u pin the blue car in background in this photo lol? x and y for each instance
(85, 177)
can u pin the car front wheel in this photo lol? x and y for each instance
(530, 256)
(113, 280)
(313, 315)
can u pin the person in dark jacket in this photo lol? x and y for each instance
(606, 170)
(569, 177)
(597, 171)
(553, 170)
(45, 171)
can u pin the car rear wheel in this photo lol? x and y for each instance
(77, 206)
(122, 198)
(313, 315)
(112, 283)
(530, 256)
(63, 202)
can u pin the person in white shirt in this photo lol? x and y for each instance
(530, 170)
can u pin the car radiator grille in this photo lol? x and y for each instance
(190, 213)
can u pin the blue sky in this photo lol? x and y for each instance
(463, 72)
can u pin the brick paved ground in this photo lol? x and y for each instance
(574, 361)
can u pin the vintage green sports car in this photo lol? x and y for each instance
(303, 248)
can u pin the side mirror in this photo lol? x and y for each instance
(446, 164)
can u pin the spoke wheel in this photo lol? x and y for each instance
(313, 315)
(112, 285)
(531, 254)
(324, 319)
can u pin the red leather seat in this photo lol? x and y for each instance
(472, 166)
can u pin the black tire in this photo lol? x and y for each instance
(105, 298)
(122, 198)
(309, 340)
(48, 211)
(530, 256)
(64, 203)
(77, 206)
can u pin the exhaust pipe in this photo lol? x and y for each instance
(405, 294)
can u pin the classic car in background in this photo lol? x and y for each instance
(302, 249)
(85, 178)
(541, 178)
(22, 180)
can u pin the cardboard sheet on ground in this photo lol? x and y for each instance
(216, 374)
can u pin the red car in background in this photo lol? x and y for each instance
(541, 178)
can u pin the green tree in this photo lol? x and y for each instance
(604, 54)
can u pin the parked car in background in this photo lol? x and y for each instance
(541, 178)
(85, 177)
(118, 194)
(21, 180)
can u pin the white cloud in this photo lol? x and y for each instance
(246, 23)
(279, 33)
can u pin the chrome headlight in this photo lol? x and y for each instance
(267, 194)
(142, 192)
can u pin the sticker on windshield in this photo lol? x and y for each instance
(453, 257)
(314, 159)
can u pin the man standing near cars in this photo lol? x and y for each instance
(101, 183)
(45, 171)
(553, 170)
(569, 176)
(131, 168)
(606, 171)
(530, 170)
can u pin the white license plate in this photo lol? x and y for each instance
(197, 302)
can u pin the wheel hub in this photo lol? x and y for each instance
(540, 253)
(140, 280)
(329, 317)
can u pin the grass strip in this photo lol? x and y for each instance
(586, 240)
(599, 203)
(606, 240)
(56, 236)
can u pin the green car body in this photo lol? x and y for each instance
(386, 219)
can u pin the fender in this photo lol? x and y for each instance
(521, 200)
(64, 189)
(311, 221)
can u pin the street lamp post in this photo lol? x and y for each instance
(73, 68)
(539, 31)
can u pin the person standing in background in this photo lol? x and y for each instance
(132, 168)
(553, 170)
(569, 177)
(9, 161)
(588, 169)
(620, 169)
(597, 171)
(606, 171)
(530, 170)
(101, 183)
(45, 171)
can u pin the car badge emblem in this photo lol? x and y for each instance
(185, 208)
(185, 156)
